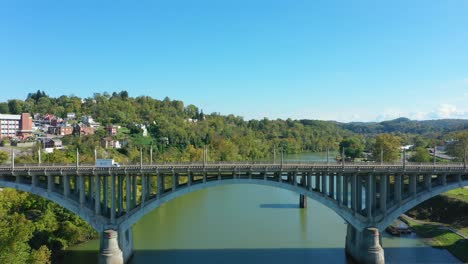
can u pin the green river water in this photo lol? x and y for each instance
(251, 224)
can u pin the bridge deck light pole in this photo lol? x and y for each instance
(77, 158)
(381, 155)
(434, 155)
(12, 159)
(141, 157)
(274, 154)
(151, 155)
(342, 157)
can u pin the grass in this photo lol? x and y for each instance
(442, 238)
(459, 194)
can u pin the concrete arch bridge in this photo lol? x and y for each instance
(369, 197)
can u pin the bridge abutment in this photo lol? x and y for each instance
(364, 246)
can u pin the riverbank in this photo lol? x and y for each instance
(443, 222)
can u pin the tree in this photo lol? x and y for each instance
(457, 147)
(353, 147)
(388, 145)
(420, 155)
(3, 156)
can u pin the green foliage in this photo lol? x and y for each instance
(353, 147)
(32, 225)
(3, 156)
(459, 145)
(420, 154)
(388, 145)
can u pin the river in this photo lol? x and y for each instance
(251, 224)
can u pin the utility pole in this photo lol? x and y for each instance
(77, 159)
(328, 154)
(342, 157)
(404, 158)
(151, 154)
(434, 154)
(381, 155)
(39, 156)
(274, 154)
(141, 157)
(204, 156)
(12, 159)
(282, 157)
(95, 154)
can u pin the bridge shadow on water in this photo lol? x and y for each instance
(279, 206)
(255, 256)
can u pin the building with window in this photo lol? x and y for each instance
(15, 125)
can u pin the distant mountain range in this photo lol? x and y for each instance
(405, 125)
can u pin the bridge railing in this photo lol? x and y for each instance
(320, 164)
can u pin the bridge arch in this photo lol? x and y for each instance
(97, 223)
(128, 221)
(420, 197)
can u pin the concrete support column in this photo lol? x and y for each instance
(413, 185)
(370, 195)
(113, 197)
(359, 194)
(105, 192)
(143, 190)
(120, 194)
(324, 184)
(90, 188)
(128, 196)
(398, 188)
(317, 182)
(302, 201)
(110, 252)
(345, 190)
(443, 178)
(33, 180)
(204, 176)
(125, 239)
(50, 183)
(339, 196)
(97, 193)
(134, 190)
(309, 181)
(354, 192)
(331, 186)
(81, 189)
(161, 184)
(66, 186)
(280, 174)
(175, 181)
(383, 194)
(148, 189)
(364, 246)
(294, 178)
(190, 177)
(427, 182)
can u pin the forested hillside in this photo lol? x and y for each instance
(36, 231)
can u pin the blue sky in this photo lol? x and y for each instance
(332, 60)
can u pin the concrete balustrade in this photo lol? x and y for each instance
(112, 200)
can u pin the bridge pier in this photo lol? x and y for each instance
(116, 247)
(302, 201)
(364, 246)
